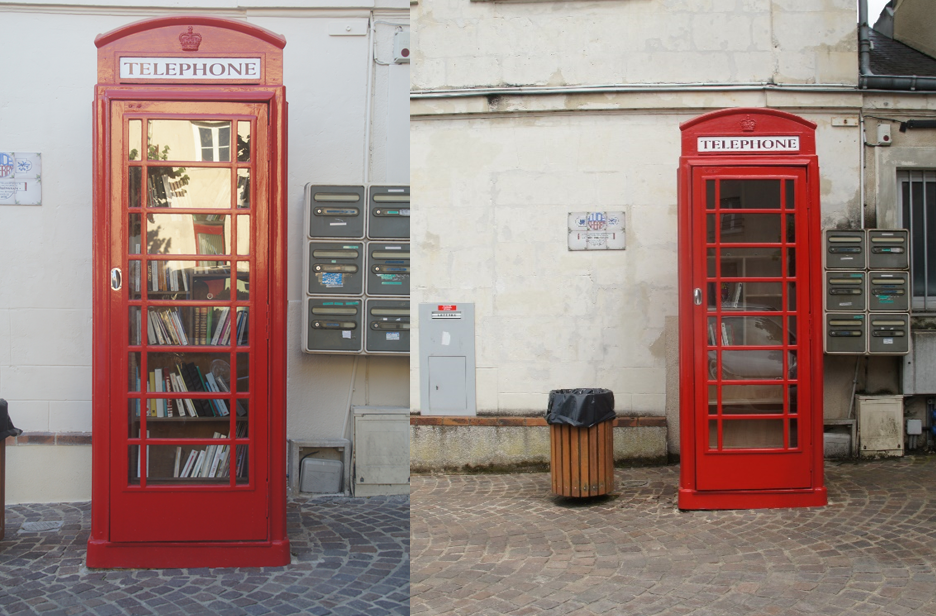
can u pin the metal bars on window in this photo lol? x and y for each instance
(917, 191)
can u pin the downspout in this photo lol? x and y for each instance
(868, 80)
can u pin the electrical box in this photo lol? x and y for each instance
(890, 334)
(844, 249)
(401, 47)
(388, 326)
(880, 426)
(388, 268)
(320, 476)
(388, 212)
(336, 268)
(335, 211)
(884, 133)
(333, 325)
(888, 249)
(889, 291)
(845, 291)
(447, 359)
(845, 333)
(381, 450)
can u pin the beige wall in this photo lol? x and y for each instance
(915, 25)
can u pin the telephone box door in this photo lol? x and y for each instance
(752, 409)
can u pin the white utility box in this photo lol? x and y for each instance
(381, 450)
(836, 445)
(320, 476)
(880, 426)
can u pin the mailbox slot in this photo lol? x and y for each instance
(335, 211)
(336, 268)
(388, 326)
(845, 291)
(846, 333)
(889, 291)
(890, 334)
(888, 249)
(844, 249)
(388, 269)
(333, 325)
(388, 212)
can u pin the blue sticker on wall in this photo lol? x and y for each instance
(332, 279)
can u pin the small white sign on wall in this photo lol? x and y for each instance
(596, 230)
(20, 178)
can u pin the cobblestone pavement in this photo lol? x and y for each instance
(501, 544)
(350, 557)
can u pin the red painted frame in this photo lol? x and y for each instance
(159, 37)
(747, 123)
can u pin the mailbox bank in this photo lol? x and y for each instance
(189, 296)
(750, 306)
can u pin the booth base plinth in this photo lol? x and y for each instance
(752, 499)
(109, 555)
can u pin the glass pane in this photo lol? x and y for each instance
(243, 372)
(710, 262)
(134, 421)
(791, 262)
(212, 280)
(792, 330)
(713, 399)
(135, 322)
(759, 262)
(134, 233)
(751, 331)
(242, 414)
(242, 327)
(794, 434)
(752, 434)
(243, 235)
(762, 295)
(710, 194)
(133, 466)
(791, 296)
(192, 187)
(791, 228)
(794, 399)
(134, 186)
(243, 280)
(750, 194)
(190, 372)
(752, 399)
(134, 139)
(199, 325)
(133, 283)
(749, 228)
(243, 188)
(243, 142)
(747, 365)
(710, 228)
(242, 464)
(188, 464)
(133, 372)
(791, 365)
(202, 234)
(195, 140)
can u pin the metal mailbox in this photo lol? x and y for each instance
(846, 333)
(388, 268)
(336, 268)
(889, 291)
(388, 326)
(888, 249)
(334, 325)
(845, 291)
(844, 249)
(388, 214)
(335, 211)
(890, 334)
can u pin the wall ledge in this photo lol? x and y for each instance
(49, 438)
(647, 421)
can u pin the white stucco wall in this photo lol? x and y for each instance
(335, 92)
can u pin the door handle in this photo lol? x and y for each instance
(697, 297)
(116, 279)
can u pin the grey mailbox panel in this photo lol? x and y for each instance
(844, 249)
(336, 268)
(388, 326)
(845, 291)
(388, 212)
(846, 333)
(889, 291)
(888, 249)
(447, 359)
(334, 324)
(890, 334)
(388, 268)
(336, 211)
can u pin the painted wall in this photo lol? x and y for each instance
(344, 127)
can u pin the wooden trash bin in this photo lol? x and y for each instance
(582, 459)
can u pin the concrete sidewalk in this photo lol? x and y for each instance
(501, 544)
(350, 557)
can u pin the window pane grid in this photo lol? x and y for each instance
(917, 191)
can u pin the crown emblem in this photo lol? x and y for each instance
(190, 40)
(747, 124)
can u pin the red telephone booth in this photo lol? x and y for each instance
(189, 296)
(750, 346)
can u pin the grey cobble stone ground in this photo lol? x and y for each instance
(501, 544)
(350, 557)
